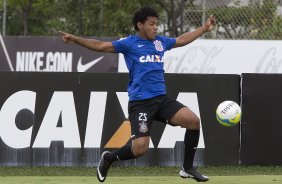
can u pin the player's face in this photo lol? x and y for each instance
(149, 29)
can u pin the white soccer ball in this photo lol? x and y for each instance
(228, 113)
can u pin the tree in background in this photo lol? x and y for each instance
(20, 15)
(259, 20)
(82, 17)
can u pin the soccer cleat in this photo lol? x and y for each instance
(193, 173)
(103, 167)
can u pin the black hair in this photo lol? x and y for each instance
(142, 15)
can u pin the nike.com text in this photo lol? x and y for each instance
(41, 61)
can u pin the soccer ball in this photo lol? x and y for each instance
(228, 113)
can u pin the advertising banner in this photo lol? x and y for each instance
(69, 119)
(51, 54)
(222, 57)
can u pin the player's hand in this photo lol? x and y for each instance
(66, 36)
(210, 23)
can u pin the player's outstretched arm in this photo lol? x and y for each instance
(92, 44)
(188, 37)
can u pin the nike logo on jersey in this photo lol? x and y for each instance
(140, 45)
(84, 67)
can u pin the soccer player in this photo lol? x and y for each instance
(143, 54)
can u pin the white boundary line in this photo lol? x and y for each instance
(6, 53)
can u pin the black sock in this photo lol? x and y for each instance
(124, 153)
(191, 140)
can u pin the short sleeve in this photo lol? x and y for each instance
(122, 45)
(170, 42)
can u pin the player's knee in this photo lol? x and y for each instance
(196, 123)
(139, 150)
(193, 123)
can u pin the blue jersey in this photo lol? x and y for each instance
(144, 60)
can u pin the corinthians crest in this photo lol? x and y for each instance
(158, 45)
(143, 127)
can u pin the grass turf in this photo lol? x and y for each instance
(246, 179)
(139, 171)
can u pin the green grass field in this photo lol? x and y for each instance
(246, 179)
(139, 175)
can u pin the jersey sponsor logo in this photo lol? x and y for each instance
(84, 67)
(140, 46)
(151, 58)
(62, 106)
(158, 45)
